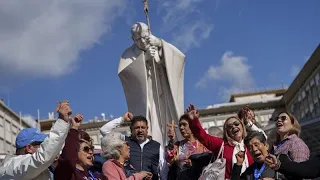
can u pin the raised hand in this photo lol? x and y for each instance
(240, 156)
(192, 112)
(76, 121)
(64, 111)
(127, 116)
(171, 131)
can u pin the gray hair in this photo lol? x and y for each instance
(138, 27)
(111, 144)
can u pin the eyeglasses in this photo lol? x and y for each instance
(281, 118)
(87, 149)
(236, 123)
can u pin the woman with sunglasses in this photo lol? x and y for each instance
(117, 151)
(77, 156)
(233, 134)
(258, 147)
(287, 138)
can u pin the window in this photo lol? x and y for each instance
(303, 94)
(1, 121)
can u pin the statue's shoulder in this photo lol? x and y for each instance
(129, 52)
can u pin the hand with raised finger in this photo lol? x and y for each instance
(76, 121)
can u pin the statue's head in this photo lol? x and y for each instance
(139, 33)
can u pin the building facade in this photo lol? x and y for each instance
(302, 99)
(263, 103)
(10, 125)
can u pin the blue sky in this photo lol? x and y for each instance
(70, 49)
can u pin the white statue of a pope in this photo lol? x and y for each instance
(152, 77)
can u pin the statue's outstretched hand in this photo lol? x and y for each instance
(192, 112)
(154, 41)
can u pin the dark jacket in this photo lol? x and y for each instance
(308, 169)
(66, 169)
(146, 159)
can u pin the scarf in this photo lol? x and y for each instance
(237, 148)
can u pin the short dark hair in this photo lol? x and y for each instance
(184, 117)
(138, 119)
(255, 134)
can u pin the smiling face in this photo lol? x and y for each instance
(234, 129)
(283, 124)
(258, 149)
(85, 154)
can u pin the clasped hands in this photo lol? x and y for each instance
(64, 112)
(154, 45)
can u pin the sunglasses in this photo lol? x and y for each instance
(87, 149)
(236, 123)
(281, 118)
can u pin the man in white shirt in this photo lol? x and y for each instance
(35, 151)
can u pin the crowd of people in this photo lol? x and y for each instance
(67, 152)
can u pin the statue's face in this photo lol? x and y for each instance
(139, 38)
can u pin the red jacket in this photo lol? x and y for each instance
(66, 169)
(214, 143)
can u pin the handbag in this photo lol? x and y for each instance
(215, 170)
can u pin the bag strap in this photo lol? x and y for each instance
(220, 152)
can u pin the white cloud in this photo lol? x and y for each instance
(176, 19)
(233, 70)
(193, 35)
(44, 38)
(294, 71)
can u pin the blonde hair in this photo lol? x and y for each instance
(226, 136)
(296, 128)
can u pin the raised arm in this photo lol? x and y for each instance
(212, 143)
(29, 166)
(111, 125)
(68, 159)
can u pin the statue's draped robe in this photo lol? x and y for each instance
(139, 84)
